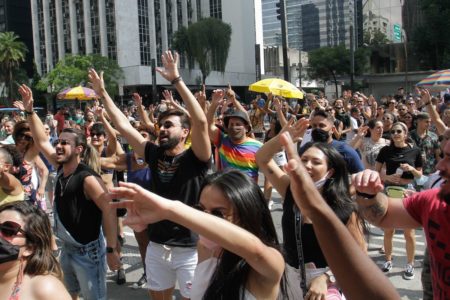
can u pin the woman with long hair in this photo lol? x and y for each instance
(408, 118)
(328, 170)
(403, 162)
(32, 164)
(238, 249)
(28, 269)
(369, 141)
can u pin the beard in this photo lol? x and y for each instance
(171, 143)
(444, 196)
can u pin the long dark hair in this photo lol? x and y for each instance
(252, 214)
(38, 237)
(336, 189)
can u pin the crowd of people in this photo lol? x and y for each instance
(184, 174)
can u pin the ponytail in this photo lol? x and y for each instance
(90, 158)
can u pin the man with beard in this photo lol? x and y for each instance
(81, 209)
(177, 174)
(236, 149)
(430, 209)
(322, 125)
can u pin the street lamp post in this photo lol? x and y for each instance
(281, 15)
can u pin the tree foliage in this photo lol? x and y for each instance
(207, 42)
(12, 53)
(432, 38)
(375, 37)
(73, 71)
(327, 63)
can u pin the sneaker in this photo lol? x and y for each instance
(408, 274)
(121, 277)
(141, 282)
(387, 266)
(271, 205)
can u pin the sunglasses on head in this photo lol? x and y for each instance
(215, 212)
(10, 229)
(63, 142)
(396, 131)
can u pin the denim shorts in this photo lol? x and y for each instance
(165, 265)
(85, 269)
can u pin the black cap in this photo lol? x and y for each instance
(237, 114)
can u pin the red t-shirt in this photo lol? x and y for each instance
(61, 120)
(434, 215)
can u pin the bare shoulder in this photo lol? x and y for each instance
(48, 287)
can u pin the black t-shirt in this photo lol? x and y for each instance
(310, 244)
(79, 215)
(176, 178)
(393, 157)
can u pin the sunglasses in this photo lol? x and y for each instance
(396, 131)
(63, 142)
(10, 229)
(97, 133)
(25, 137)
(167, 125)
(215, 212)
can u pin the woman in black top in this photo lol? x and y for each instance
(403, 163)
(328, 171)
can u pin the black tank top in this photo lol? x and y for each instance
(79, 215)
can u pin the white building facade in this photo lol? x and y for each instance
(134, 32)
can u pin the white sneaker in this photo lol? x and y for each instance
(271, 205)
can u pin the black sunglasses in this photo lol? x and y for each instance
(25, 137)
(97, 133)
(63, 142)
(215, 212)
(10, 229)
(397, 131)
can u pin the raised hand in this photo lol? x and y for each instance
(168, 96)
(202, 95)
(143, 207)
(425, 96)
(19, 105)
(362, 131)
(137, 99)
(296, 129)
(170, 70)
(98, 110)
(230, 93)
(27, 97)
(218, 96)
(368, 182)
(96, 81)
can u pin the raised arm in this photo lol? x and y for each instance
(357, 140)
(169, 99)
(280, 115)
(119, 120)
(112, 137)
(42, 172)
(199, 125)
(216, 100)
(276, 176)
(376, 207)
(355, 272)
(145, 119)
(145, 207)
(37, 128)
(434, 115)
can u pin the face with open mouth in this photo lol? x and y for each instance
(97, 138)
(171, 132)
(65, 148)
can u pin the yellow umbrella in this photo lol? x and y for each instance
(277, 87)
(77, 93)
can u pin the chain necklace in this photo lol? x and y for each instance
(63, 188)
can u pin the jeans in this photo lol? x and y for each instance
(84, 266)
(85, 269)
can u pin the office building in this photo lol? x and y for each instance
(134, 32)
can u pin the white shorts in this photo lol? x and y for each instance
(164, 265)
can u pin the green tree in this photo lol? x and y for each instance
(431, 38)
(327, 63)
(12, 53)
(207, 42)
(72, 71)
(375, 37)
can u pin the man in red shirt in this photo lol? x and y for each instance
(430, 209)
(59, 116)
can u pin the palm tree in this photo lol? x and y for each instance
(12, 53)
(207, 42)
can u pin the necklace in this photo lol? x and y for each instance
(63, 188)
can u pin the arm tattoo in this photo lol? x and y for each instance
(374, 213)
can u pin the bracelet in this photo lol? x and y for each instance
(177, 79)
(28, 113)
(364, 195)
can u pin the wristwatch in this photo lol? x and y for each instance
(109, 249)
(330, 276)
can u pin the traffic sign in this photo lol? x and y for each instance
(397, 34)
